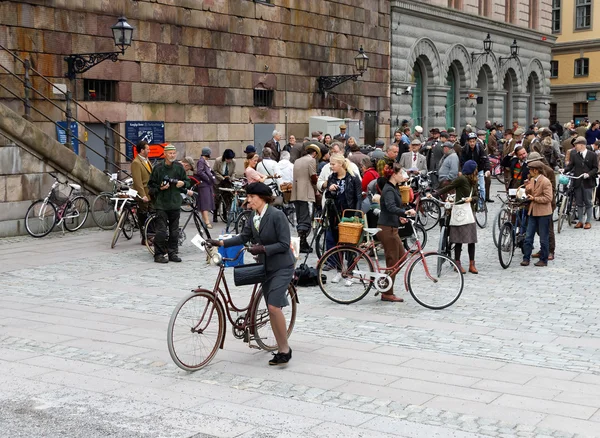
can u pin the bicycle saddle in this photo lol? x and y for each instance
(372, 231)
(75, 186)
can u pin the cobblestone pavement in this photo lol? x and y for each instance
(83, 351)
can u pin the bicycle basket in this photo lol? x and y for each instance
(245, 275)
(350, 229)
(60, 194)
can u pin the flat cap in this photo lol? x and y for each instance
(481, 132)
(519, 131)
(342, 126)
(416, 141)
(379, 143)
(529, 132)
(580, 140)
(444, 134)
(315, 134)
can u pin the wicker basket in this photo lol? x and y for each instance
(405, 193)
(286, 191)
(351, 232)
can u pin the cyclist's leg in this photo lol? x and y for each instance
(579, 201)
(588, 204)
(481, 183)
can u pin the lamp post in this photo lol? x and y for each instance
(487, 48)
(361, 63)
(82, 62)
(514, 53)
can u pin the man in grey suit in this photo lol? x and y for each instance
(303, 192)
(413, 160)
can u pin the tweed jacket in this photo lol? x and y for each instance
(580, 166)
(141, 176)
(541, 190)
(218, 168)
(273, 233)
(406, 161)
(302, 186)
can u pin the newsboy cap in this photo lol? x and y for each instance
(580, 140)
(416, 141)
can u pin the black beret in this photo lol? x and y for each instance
(258, 188)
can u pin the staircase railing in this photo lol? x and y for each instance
(29, 91)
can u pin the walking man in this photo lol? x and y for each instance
(140, 172)
(583, 162)
(303, 192)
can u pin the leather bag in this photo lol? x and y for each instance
(253, 273)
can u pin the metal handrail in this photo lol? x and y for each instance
(68, 129)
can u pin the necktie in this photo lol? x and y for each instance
(414, 156)
(226, 173)
(277, 143)
(147, 164)
(581, 155)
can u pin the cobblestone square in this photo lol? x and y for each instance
(83, 351)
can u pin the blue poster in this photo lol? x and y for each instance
(152, 132)
(61, 134)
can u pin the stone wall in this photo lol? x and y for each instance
(194, 64)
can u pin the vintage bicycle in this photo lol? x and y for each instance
(103, 206)
(566, 200)
(197, 327)
(70, 211)
(514, 230)
(433, 280)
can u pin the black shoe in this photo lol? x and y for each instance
(161, 259)
(281, 358)
(174, 258)
(489, 200)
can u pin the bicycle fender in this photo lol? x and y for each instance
(218, 303)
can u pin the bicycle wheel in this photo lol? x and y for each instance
(481, 214)
(320, 242)
(434, 290)
(103, 211)
(428, 214)
(150, 232)
(350, 274)
(196, 330)
(562, 213)
(40, 218)
(261, 325)
(506, 245)
(119, 228)
(76, 213)
(410, 241)
(556, 213)
(502, 216)
(499, 173)
(241, 220)
(129, 225)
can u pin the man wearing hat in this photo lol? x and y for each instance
(548, 172)
(413, 160)
(433, 152)
(418, 134)
(528, 139)
(453, 138)
(303, 192)
(584, 163)
(378, 153)
(515, 164)
(518, 136)
(539, 194)
(167, 181)
(567, 143)
(499, 132)
(449, 165)
(343, 135)
(475, 152)
(205, 202)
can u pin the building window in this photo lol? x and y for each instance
(553, 69)
(583, 14)
(99, 90)
(582, 67)
(263, 97)
(556, 16)
(552, 117)
(580, 112)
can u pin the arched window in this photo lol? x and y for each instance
(451, 109)
(417, 96)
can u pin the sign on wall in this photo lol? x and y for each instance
(61, 134)
(151, 132)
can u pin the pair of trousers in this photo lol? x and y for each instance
(392, 245)
(583, 199)
(142, 215)
(166, 220)
(541, 226)
(302, 216)
(481, 183)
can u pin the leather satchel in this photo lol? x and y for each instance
(253, 273)
(462, 214)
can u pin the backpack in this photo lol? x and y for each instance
(305, 276)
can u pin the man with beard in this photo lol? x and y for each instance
(516, 163)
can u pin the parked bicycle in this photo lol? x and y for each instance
(513, 231)
(433, 280)
(236, 209)
(125, 207)
(103, 207)
(497, 170)
(428, 212)
(445, 247)
(481, 213)
(70, 211)
(502, 216)
(566, 200)
(197, 326)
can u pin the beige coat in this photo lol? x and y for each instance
(305, 171)
(218, 167)
(541, 205)
(141, 176)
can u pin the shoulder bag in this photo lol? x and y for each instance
(462, 214)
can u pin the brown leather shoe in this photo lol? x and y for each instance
(525, 263)
(536, 255)
(551, 256)
(579, 225)
(460, 268)
(472, 268)
(392, 298)
(540, 263)
(587, 226)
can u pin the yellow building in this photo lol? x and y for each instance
(575, 66)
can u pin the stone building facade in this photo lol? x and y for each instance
(437, 81)
(195, 64)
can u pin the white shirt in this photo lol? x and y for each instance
(258, 217)
(287, 171)
(269, 167)
(583, 153)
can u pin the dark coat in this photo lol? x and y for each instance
(169, 199)
(273, 234)
(464, 189)
(391, 206)
(476, 154)
(510, 162)
(205, 201)
(580, 166)
(352, 196)
(275, 147)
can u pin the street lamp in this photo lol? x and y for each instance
(361, 63)
(82, 62)
(487, 48)
(514, 53)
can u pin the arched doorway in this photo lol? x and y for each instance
(533, 85)
(420, 104)
(452, 98)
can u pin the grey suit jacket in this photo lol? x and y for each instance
(406, 161)
(273, 234)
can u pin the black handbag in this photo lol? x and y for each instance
(253, 273)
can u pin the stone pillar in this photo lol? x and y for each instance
(520, 102)
(468, 109)
(401, 103)
(542, 109)
(436, 112)
(496, 111)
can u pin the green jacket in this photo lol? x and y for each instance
(169, 199)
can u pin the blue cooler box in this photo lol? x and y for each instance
(231, 252)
